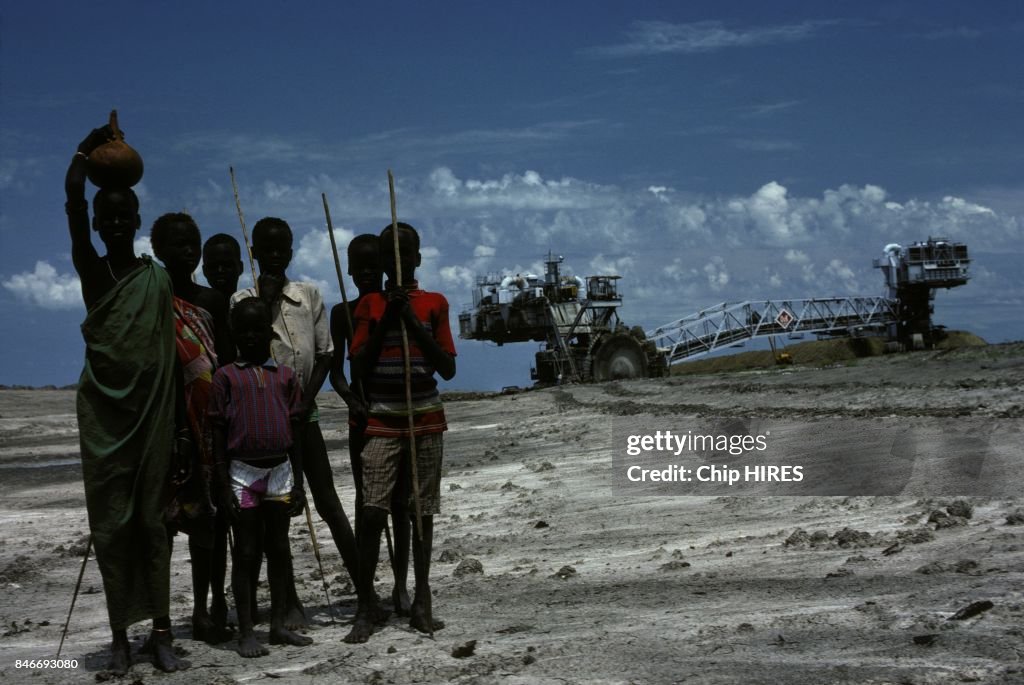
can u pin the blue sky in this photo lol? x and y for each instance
(706, 152)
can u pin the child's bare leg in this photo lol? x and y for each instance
(248, 527)
(421, 610)
(203, 627)
(400, 593)
(295, 613)
(120, 652)
(254, 580)
(218, 571)
(369, 612)
(279, 573)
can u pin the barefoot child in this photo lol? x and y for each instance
(200, 324)
(365, 269)
(126, 408)
(377, 360)
(256, 412)
(301, 340)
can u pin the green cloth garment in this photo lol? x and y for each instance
(126, 399)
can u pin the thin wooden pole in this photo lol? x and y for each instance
(319, 563)
(408, 364)
(408, 396)
(337, 266)
(245, 233)
(74, 596)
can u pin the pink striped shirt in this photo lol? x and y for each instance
(256, 404)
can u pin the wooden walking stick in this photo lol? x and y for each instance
(245, 234)
(319, 563)
(351, 336)
(256, 288)
(408, 390)
(74, 596)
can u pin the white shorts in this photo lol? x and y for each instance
(253, 485)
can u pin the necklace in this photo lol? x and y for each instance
(116, 279)
(110, 270)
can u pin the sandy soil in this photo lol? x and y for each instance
(574, 584)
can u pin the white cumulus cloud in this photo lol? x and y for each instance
(46, 287)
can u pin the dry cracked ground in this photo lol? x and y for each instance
(544, 574)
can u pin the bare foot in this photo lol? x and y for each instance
(366, 619)
(161, 645)
(204, 628)
(361, 631)
(422, 618)
(295, 619)
(283, 636)
(120, 656)
(401, 602)
(249, 647)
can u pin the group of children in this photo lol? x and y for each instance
(197, 413)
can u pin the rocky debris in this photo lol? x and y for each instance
(894, 548)
(454, 486)
(468, 566)
(674, 565)
(798, 538)
(971, 610)
(926, 640)
(819, 537)
(449, 556)
(848, 537)
(565, 573)
(464, 650)
(744, 628)
(839, 573)
(542, 466)
(517, 628)
(1015, 518)
(541, 524)
(15, 629)
(73, 549)
(968, 566)
(941, 519)
(961, 508)
(19, 568)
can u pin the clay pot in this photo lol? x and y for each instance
(115, 164)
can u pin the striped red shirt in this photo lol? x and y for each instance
(385, 387)
(256, 404)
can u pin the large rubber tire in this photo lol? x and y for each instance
(619, 356)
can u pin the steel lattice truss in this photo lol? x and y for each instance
(728, 323)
